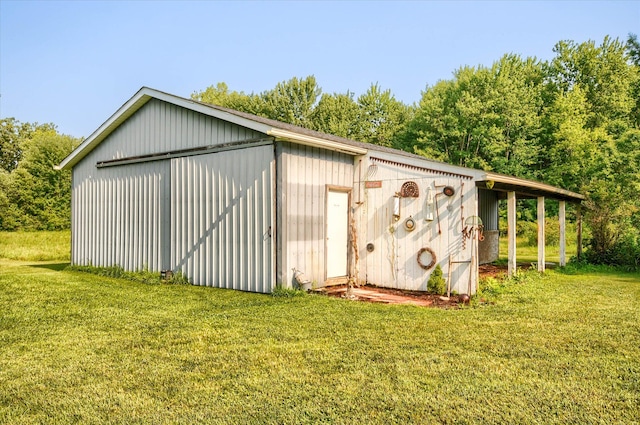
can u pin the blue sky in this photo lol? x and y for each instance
(75, 63)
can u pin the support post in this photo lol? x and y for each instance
(563, 233)
(579, 230)
(511, 232)
(541, 238)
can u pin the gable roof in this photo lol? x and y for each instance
(276, 129)
(292, 133)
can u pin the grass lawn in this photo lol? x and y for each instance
(38, 246)
(80, 348)
(529, 254)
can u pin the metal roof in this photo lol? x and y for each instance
(526, 188)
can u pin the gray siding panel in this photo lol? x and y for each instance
(222, 208)
(118, 216)
(161, 127)
(488, 208)
(305, 172)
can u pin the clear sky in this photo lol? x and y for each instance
(75, 63)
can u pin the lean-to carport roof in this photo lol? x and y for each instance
(526, 188)
(288, 132)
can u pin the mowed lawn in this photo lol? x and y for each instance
(79, 348)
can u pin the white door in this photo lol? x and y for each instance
(337, 233)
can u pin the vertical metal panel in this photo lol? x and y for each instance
(118, 215)
(304, 173)
(222, 205)
(161, 127)
(488, 208)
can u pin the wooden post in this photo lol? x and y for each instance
(511, 232)
(579, 230)
(563, 233)
(541, 238)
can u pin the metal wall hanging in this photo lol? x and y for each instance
(410, 224)
(396, 207)
(449, 191)
(428, 209)
(409, 190)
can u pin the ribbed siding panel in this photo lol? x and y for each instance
(306, 172)
(118, 216)
(488, 208)
(161, 127)
(222, 205)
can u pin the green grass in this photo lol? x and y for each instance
(529, 254)
(81, 348)
(36, 246)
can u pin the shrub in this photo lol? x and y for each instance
(436, 284)
(625, 252)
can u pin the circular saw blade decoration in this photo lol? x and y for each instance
(409, 190)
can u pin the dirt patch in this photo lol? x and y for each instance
(491, 270)
(376, 294)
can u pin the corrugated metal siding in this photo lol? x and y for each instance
(222, 209)
(488, 208)
(161, 127)
(393, 263)
(305, 173)
(120, 216)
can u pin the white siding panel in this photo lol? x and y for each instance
(118, 215)
(223, 208)
(305, 174)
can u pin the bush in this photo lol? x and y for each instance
(282, 292)
(436, 284)
(625, 253)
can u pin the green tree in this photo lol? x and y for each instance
(221, 96)
(12, 137)
(592, 140)
(34, 196)
(336, 114)
(292, 101)
(602, 72)
(380, 117)
(485, 118)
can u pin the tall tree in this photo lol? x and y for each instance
(484, 118)
(336, 114)
(34, 196)
(380, 116)
(221, 96)
(292, 101)
(602, 72)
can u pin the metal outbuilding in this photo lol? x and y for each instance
(234, 200)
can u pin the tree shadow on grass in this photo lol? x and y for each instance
(54, 266)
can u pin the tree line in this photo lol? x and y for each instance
(572, 121)
(34, 196)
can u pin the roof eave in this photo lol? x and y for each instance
(527, 187)
(304, 139)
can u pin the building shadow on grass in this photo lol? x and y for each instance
(53, 266)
